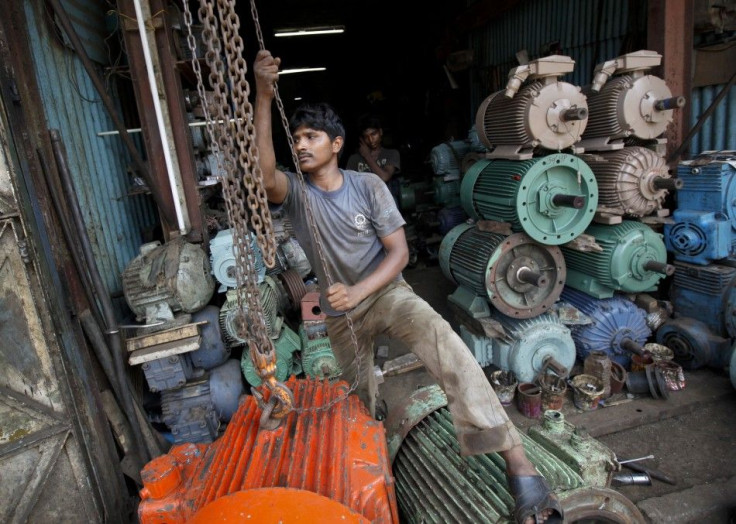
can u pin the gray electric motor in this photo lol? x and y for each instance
(167, 278)
(546, 113)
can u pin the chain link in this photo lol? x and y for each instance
(316, 237)
(238, 165)
(239, 149)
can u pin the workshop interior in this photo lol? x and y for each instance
(568, 182)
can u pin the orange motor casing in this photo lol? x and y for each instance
(340, 453)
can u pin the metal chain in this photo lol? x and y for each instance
(316, 237)
(250, 319)
(243, 149)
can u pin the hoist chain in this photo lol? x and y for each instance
(242, 152)
(239, 166)
(316, 237)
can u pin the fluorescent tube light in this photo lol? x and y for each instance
(302, 70)
(309, 31)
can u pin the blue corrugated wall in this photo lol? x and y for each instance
(114, 220)
(533, 24)
(719, 130)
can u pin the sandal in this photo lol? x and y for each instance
(533, 496)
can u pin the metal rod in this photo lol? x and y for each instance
(574, 113)
(107, 101)
(655, 474)
(675, 102)
(69, 233)
(108, 314)
(693, 131)
(182, 221)
(631, 479)
(661, 182)
(198, 123)
(629, 461)
(660, 267)
(574, 201)
(529, 276)
(633, 346)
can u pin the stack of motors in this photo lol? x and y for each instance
(552, 199)
(545, 113)
(519, 276)
(626, 105)
(435, 484)
(614, 323)
(352, 477)
(633, 260)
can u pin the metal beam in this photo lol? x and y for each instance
(670, 33)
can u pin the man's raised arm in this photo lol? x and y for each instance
(266, 71)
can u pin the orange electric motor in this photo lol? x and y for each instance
(339, 455)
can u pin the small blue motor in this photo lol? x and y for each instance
(704, 227)
(614, 321)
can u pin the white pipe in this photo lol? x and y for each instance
(198, 123)
(181, 222)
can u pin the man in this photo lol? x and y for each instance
(372, 157)
(365, 250)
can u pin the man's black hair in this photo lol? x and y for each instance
(368, 122)
(321, 117)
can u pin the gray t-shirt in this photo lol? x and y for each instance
(390, 157)
(351, 221)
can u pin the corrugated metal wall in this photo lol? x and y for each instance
(719, 130)
(98, 165)
(588, 31)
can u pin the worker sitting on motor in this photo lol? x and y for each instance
(358, 252)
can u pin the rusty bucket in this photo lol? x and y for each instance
(587, 391)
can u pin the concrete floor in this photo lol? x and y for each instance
(692, 435)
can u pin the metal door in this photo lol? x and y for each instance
(48, 445)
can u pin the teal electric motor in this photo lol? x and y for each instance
(520, 277)
(435, 484)
(633, 260)
(551, 198)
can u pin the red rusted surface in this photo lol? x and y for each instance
(311, 310)
(340, 454)
(282, 505)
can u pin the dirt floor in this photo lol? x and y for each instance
(692, 435)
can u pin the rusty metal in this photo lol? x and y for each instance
(247, 458)
(608, 505)
(240, 169)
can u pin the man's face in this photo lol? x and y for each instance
(372, 138)
(314, 148)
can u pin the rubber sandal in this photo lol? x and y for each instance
(533, 496)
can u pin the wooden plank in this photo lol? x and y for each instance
(167, 349)
(161, 337)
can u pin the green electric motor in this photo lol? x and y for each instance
(521, 278)
(285, 346)
(633, 260)
(551, 198)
